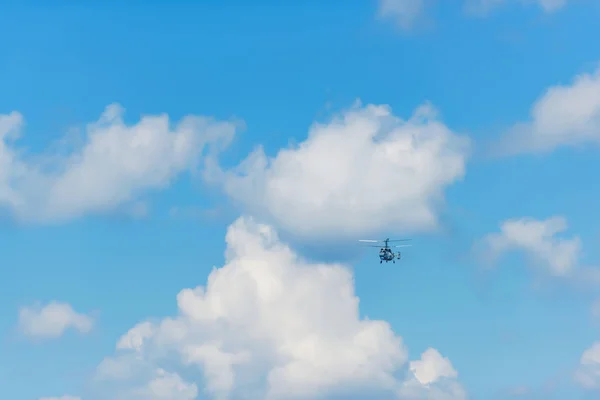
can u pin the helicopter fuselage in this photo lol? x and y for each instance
(387, 255)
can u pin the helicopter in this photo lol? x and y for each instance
(385, 253)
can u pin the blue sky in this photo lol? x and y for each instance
(116, 232)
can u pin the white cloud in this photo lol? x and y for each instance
(117, 164)
(361, 173)
(52, 320)
(136, 336)
(61, 398)
(269, 324)
(135, 378)
(538, 240)
(588, 374)
(166, 386)
(433, 378)
(431, 367)
(566, 115)
(403, 12)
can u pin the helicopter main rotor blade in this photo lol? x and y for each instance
(383, 241)
(404, 245)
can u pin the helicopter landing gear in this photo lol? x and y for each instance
(380, 262)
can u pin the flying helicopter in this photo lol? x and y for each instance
(385, 253)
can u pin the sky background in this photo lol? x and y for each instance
(280, 68)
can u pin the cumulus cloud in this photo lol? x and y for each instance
(52, 320)
(433, 378)
(116, 164)
(565, 115)
(588, 374)
(127, 378)
(403, 12)
(166, 386)
(364, 171)
(539, 240)
(431, 367)
(269, 324)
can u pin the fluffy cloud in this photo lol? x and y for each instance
(116, 164)
(363, 172)
(588, 374)
(403, 12)
(538, 240)
(566, 115)
(52, 320)
(269, 324)
(433, 378)
(431, 367)
(168, 386)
